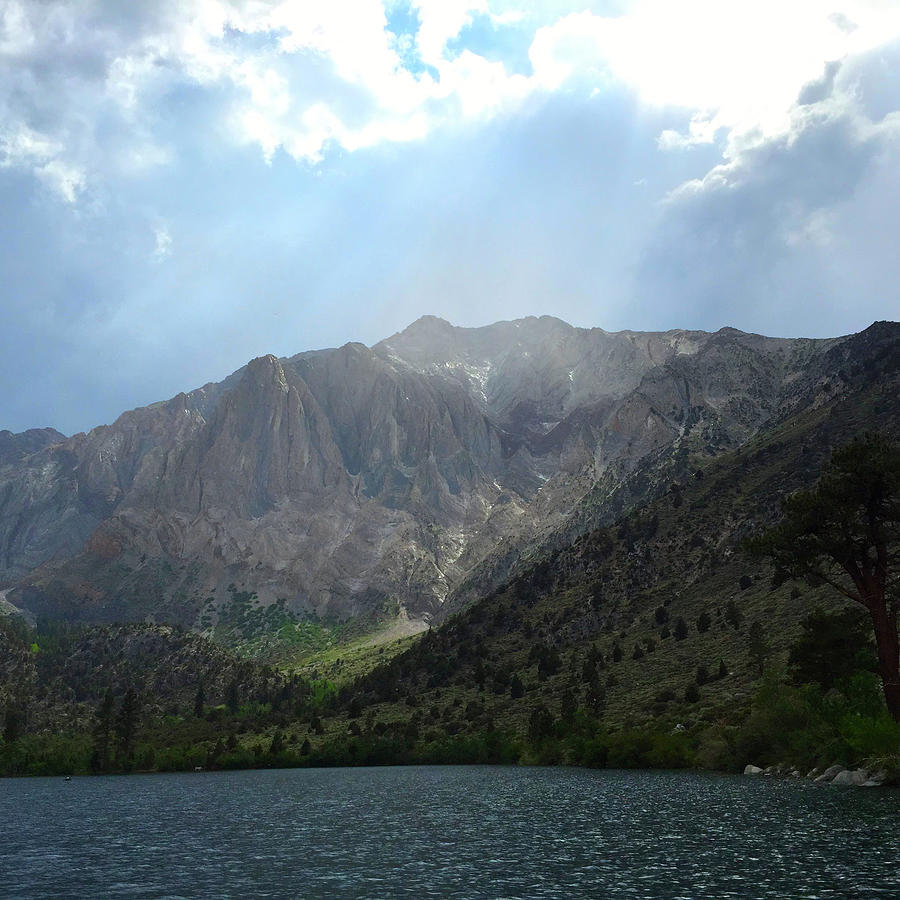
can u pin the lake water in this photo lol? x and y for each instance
(446, 832)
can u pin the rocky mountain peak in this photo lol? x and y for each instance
(350, 481)
(14, 447)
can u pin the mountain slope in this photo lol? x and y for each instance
(366, 483)
(657, 620)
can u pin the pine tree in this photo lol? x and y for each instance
(845, 532)
(757, 646)
(199, 700)
(13, 720)
(102, 733)
(232, 696)
(126, 728)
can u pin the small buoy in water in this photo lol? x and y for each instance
(68, 777)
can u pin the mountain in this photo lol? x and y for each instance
(391, 482)
(660, 622)
(15, 447)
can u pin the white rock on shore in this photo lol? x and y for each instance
(835, 774)
(855, 777)
(829, 774)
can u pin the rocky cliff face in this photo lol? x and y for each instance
(365, 481)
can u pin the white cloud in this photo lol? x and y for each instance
(22, 147)
(738, 66)
(163, 240)
(83, 81)
(440, 21)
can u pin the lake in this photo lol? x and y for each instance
(446, 832)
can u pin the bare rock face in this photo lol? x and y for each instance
(364, 481)
(15, 447)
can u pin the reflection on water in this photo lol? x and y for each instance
(446, 832)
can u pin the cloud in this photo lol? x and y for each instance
(163, 242)
(87, 81)
(41, 154)
(820, 89)
(737, 66)
(782, 217)
(187, 184)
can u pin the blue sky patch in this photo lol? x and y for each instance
(506, 43)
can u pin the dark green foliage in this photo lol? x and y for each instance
(757, 646)
(126, 728)
(733, 616)
(644, 748)
(13, 722)
(548, 661)
(805, 727)
(595, 698)
(568, 705)
(691, 693)
(232, 696)
(845, 532)
(277, 744)
(703, 622)
(681, 629)
(831, 648)
(516, 690)
(100, 757)
(540, 724)
(199, 701)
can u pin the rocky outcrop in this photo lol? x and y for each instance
(357, 481)
(15, 447)
(836, 774)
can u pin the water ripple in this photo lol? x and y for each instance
(445, 832)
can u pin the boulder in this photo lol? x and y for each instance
(876, 779)
(829, 774)
(752, 770)
(855, 777)
(813, 773)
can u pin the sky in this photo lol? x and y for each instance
(188, 184)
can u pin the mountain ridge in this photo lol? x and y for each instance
(358, 481)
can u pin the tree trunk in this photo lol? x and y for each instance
(888, 644)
